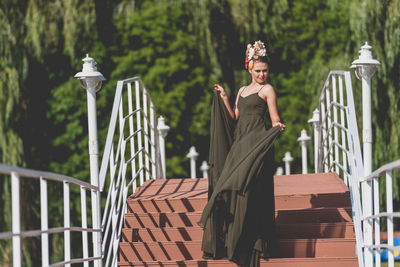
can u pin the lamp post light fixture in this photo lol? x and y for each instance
(365, 67)
(89, 77)
(91, 80)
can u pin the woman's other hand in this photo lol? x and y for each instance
(281, 125)
(220, 90)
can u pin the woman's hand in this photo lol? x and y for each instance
(281, 125)
(220, 90)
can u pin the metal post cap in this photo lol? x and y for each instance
(304, 137)
(89, 69)
(315, 118)
(204, 166)
(162, 127)
(192, 153)
(288, 157)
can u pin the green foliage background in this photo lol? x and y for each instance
(179, 49)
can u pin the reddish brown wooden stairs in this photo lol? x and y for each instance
(313, 220)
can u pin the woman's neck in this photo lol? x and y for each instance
(255, 84)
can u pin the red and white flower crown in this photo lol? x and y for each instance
(254, 52)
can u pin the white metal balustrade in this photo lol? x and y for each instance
(339, 151)
(374, 220)
(339, 146)
(131, 156)
(16, 234)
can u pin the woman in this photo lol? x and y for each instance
(238, 219)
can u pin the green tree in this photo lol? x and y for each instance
(155, 45)
(378, 23)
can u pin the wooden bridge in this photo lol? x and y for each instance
(313, 220)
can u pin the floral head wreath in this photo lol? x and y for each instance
(254, 52)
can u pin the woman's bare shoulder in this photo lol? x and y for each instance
(267, 90)
(240, 90)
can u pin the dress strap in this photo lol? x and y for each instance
(261, 88)
(242, 90)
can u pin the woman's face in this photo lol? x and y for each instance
(259, 72)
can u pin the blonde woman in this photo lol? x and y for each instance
(238, 220)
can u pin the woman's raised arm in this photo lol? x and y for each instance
(225, 98)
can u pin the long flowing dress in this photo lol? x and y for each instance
(238, 220)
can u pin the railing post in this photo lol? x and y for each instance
(67, 223)
(91, 80)
(287, 159)
(163, 132)
(315, 124)
(16, 218)
(44, 222)
(303, 140)
(204, 168)
(192, 155)
(279, 171)
(389, 209)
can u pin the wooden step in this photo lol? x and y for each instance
(162, 234)
(178, 219)
(193, 202)
(291, 192)
(316, 230)
(190, 250)
(284, 185)
(281, 262)
(164, 219)
(184, 233)
(321, 214)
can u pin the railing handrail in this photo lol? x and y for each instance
(329, 145)
(113, 124)
(132, 143)
(17, 233)
(29, 173)
(377, 173)
(110, 134)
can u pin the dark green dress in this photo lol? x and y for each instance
(238, 220)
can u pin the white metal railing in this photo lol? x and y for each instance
(339, 146)
(131, 156)
(16, 234)
(373, 220)
(339, 151)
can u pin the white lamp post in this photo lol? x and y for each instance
(192, 155)
(303, 140)
(287, 159)
(91, 80)
(315, 124)
(365, 67)
(163, 131)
